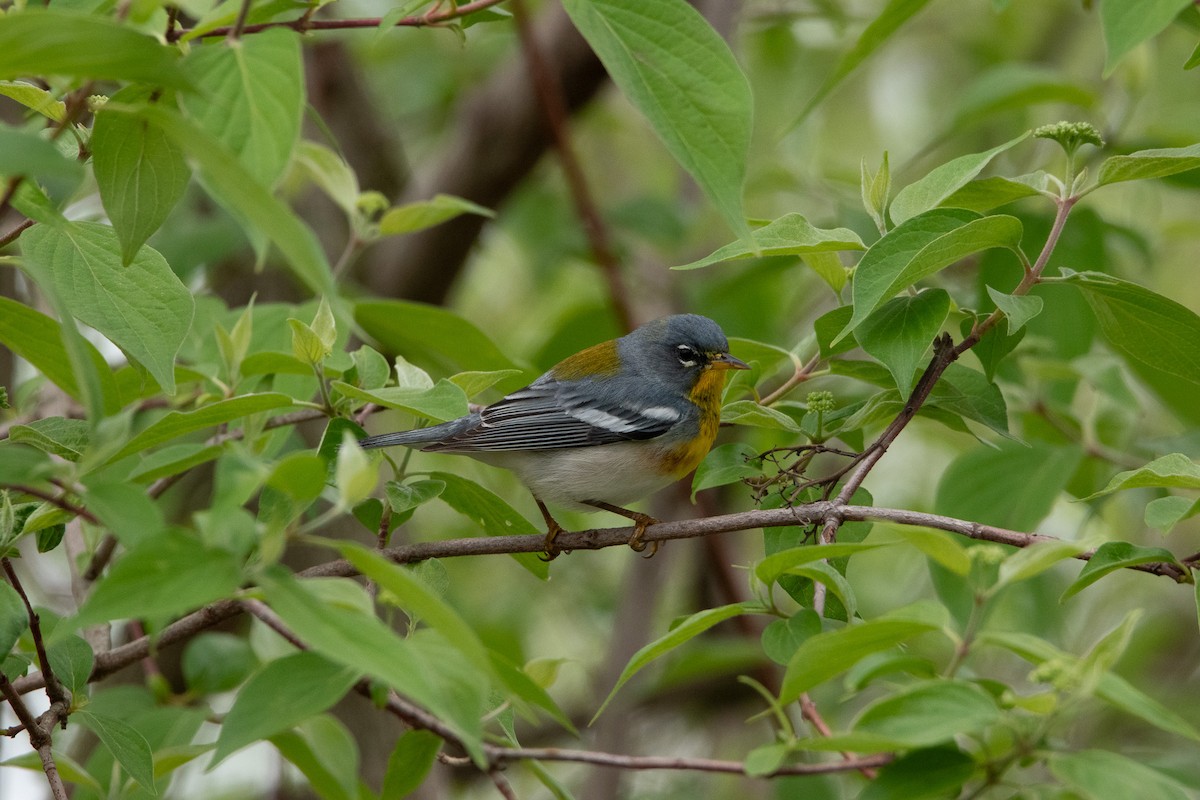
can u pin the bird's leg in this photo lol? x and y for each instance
(640, 522)
(552, 531)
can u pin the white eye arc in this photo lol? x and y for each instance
(688, 356)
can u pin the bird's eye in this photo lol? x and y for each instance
(688, 356)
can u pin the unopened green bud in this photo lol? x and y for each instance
(1070, 135)
(821, 402)
(987, 554)
(371, 204)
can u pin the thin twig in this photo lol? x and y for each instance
(549, 96)
(54, 688)
(671, 762)
(801, 374)
(12, 235)
(56, 500)
(303, 25)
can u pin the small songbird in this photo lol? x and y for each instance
(605, 427)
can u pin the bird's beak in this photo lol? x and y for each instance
(726, 361)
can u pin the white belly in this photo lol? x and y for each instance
(611, 473)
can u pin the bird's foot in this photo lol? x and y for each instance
(640, 523)
(553, 529)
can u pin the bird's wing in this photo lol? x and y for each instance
(549, 415)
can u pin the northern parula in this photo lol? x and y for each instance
(604, 427)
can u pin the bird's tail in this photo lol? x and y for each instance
(419, 436)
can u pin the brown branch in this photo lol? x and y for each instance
(549, 97)
(505, 754)
(595, 539)
(303, 24)
(38, 731)
(56, 500)
(54, 689)
(12, 235)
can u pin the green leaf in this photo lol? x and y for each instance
(174, 424)
(476, 382)
(409, 763)
(445, 401)
(372, 368)
(127, 745)
(37, 41)
(1011, 486)
(38, 339)
(251, 99)
(1112, 556)
(418, 216)
(58, 436)
(987, 193)
(416, 598)
(827, 654)
(142, 308)
(358, 639)
(685, 631)
(834, 581)
(993, 347)
(13, 617)
(873, 37)
(748, 412)
(1112, 687)
(172, 460)
(1104, 775)
(901, 331)
(782, 637)
(1144, 327)
(25, 154)
(404, 496)
(725, 464)
(761, 762)
(250, 201)
(829, 268)
(492, 514)
(124, 509)
(1018, 309)
(927, 774)
(281, 695)
(355, 475)
(1146, 164)
(828, 326)
(217, 662)
(325, 753)
(1034, 560)
(970, 394)
(674, 68)
(403, 326)
(306, 344)
(35, 98)
(1128, 24)
(943, 181)
(790, 235)
(929, 713)
(773, 566)
(140, 172)
(1166, 512)
(876, 190)
(941, 547)
(161, 576)
(921, 246)
(1172, 471)
(327, 170)
(72, 660)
